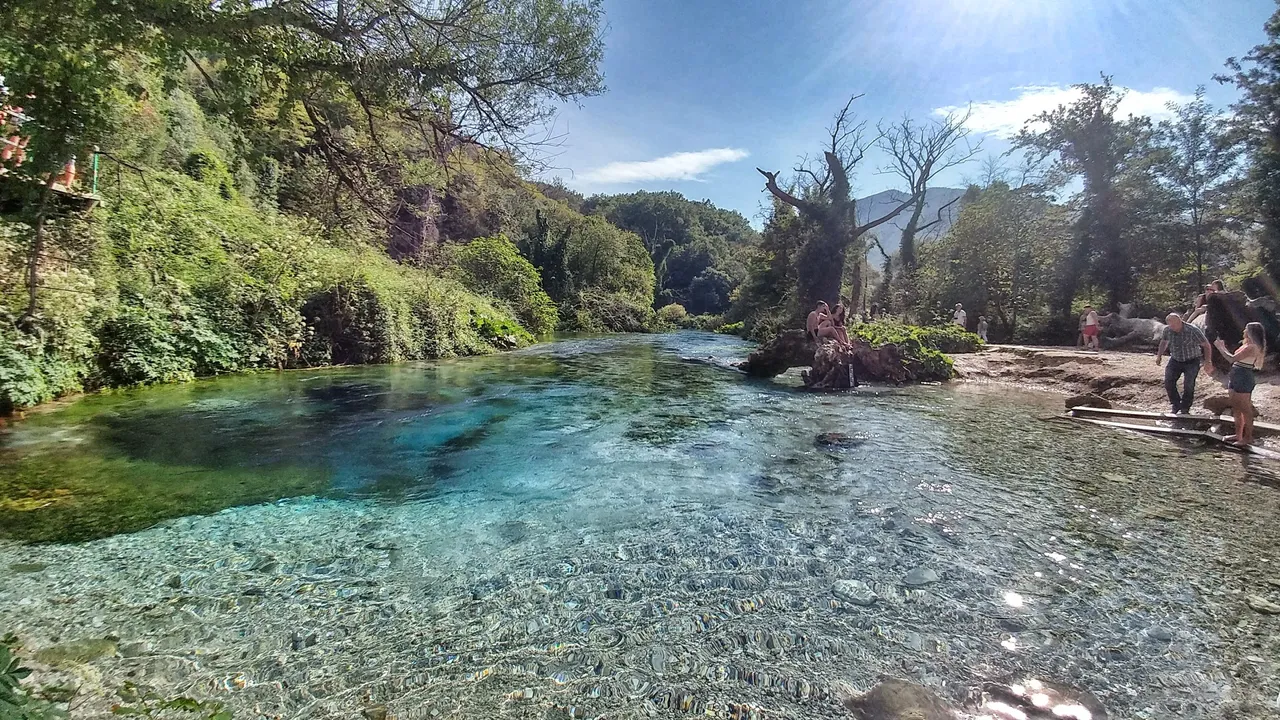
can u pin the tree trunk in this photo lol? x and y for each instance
(907, 250)
(37, 249)
(820, 268)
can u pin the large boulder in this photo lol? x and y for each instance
(1090, 400)
(895, 699)
(1220, 404)
(1227, 313)
(790, 348)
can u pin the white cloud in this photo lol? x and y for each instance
(677, 166)
(1004, 118)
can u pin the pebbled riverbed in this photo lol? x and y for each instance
(606, 527)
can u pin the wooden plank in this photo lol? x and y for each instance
(1144, 414)
(1183, 432)
(1265, 428)
(1158, 429)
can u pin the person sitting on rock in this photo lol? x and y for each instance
(814, 321)
(839, 321)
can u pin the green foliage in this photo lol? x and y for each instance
(600, 311)
(203, 166)
(698, 250)
(925, 347)
(1256, 127)
(1001, 258)
(943, 338)
(17, 702)
(494, 267)
(766, 301)
(673, 314)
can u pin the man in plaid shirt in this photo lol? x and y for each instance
(1187, 347)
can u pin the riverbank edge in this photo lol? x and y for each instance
(1126, 379)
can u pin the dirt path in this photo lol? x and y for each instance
(1128, 379)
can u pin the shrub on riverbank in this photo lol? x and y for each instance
(493, 266)
(172, 280)
(944, 338)
(925, 346)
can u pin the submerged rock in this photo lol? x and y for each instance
(1263, 605)
(838, 440)
(895, 699)
(854, 591)
(920, 576)
(77, 652)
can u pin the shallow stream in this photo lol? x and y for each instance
(619, 527)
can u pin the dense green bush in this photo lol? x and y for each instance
(599, 311)
(494, 267)
(672, 314)
(192, 283)
(943, 338)
(925, 347)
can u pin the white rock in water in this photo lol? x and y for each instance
(854, 591)
(920, 576)
(1263, 605)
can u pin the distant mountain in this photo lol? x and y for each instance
(890, 233)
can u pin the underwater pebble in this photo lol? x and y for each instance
(854, 591)
(1263, 605)
(1159, 634)
(920, 576)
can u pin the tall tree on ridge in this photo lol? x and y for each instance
(918, 153)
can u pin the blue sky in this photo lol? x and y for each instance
(701, 92)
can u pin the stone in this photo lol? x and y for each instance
(20, 568)
(838, 440)
(375, 712)
(1159, 634)
(920, 576)
(174, 581)
(1263, 605)
(133, 649)
(1088, 400)
(1273, 582)
(833, 366)
(894, 699)
(1220, 404)
(855, 592)
(77, 652)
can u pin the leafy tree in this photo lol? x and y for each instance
(1200, 168)
(1256, 126)
(999, 258)
(1112, 157)
(685, 239)
(493, 266)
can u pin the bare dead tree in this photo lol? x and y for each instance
(918, 152)
(825, 199)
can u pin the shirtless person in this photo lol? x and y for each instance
(814, 321)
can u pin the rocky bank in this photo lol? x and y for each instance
(1126, 379)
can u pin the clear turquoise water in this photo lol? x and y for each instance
(610, 527)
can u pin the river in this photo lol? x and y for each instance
(622, 527)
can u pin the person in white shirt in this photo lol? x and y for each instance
(960, 317)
